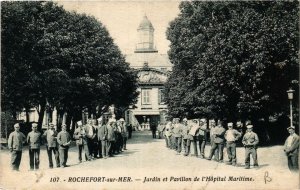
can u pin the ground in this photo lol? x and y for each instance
(147, 157)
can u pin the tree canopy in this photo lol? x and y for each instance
(233, 60)
(51, 57)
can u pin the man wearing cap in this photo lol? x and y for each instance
(110, 136)
(160, 129)
(15, 145)
(168, 134)
(118, 144)
(202, 137)
(231, 137)
(250, 141)
(34, 141)
(129, 129)
(102, 137)
(51, 145)
(124, 132)
(153, 128)
(218, 145)
(212, 128)
(172, 137)
(291, 149)
(240, 127)
(193, 136)
(186, 138)
(94, 143)
(178, 135)
(64, 141)
(91, 135)
(81, 141)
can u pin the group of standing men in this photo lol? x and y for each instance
(183, 134)
(100, 140)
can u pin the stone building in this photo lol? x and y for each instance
(153, 69)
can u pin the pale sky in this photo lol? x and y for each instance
(122, 18)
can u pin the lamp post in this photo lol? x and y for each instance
(290, 97)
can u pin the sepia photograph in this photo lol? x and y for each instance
(143, 95)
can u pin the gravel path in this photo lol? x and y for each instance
(163, 169)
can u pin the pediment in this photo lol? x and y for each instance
(151, 76)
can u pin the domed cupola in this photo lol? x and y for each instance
(145, 24)
(146, 37)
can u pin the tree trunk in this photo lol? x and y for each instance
(41, 115)
(60, 114)
(266, 125)
(27, 110)
(68, 119)
(14, 114)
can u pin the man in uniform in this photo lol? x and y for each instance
(91, 135)
(102, 137)
(81, 141)
(172, 137)
(202, 137)
(34, 141)
(110, 136)
(124, 132)
(64, 141)
(250, 141)
(153, 128)
(168, 134)
(218, 145)
(239, 126)
(129, 131)
(193, 136)
(94, 145)
(51, 145)
(178, 135)
(117, 148)
(291, 149)
(160, 129)
(186, 138)
(15, 145)
(231, 137)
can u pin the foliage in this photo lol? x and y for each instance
(233, 60)
(60, 59)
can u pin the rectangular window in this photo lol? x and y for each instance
(146, 96)
(161, 96)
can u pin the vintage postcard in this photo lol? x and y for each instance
(143, 95)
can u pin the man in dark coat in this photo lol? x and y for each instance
(153, 130)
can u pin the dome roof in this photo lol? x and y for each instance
(145, 24)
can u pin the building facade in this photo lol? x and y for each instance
(152, 69)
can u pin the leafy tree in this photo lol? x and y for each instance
(233, 60)
(68, 61)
